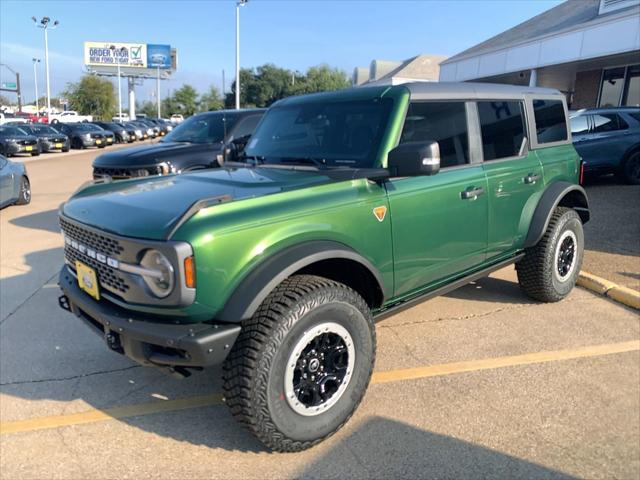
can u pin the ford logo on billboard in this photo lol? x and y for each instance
(159, 56)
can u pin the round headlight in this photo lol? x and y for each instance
(161, 282)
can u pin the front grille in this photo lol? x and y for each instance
(108, 277)
(122, 173)
(27, 142)
(96, 135)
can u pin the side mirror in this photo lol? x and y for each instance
(414, 158)
(229, 152)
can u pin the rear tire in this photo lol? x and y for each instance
(549, 270)
(302, 364)
(631, 168)
(24, 196)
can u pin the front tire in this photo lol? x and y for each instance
(549, 270)
(24, 196)
(302, 364)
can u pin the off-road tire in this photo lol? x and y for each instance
(24, 196)
(537, 270)
(254, 372)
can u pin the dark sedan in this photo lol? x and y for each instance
(83, 135)
(608, 140)
(49, 139)
(121, 133)
(196, 143)
(14, 140)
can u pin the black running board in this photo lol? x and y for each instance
(412, 302)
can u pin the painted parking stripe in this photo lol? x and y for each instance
(93, 416)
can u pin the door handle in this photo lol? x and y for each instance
(531, 178)
(472, 193)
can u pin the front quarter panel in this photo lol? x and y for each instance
(231, 240)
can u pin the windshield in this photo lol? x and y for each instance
(44, 129)
(87, 127)
(202, 129)
(7, 131)
(345, 134)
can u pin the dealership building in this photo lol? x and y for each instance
(588, 49)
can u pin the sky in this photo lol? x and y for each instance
(293, 34)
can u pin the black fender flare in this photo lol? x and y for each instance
(558, 193)
(267, 275)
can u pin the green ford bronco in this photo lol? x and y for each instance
(344, 208)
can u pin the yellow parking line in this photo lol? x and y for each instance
(501, 362)
(93, 416)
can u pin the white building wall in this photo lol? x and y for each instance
(616, 33)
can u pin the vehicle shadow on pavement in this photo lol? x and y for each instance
(47, 221)
(493, 290)
(386, 448)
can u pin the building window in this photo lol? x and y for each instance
(631, 96)
(620, 87)
(442, 122)
(551, 124)
(612, 85)
(502, 128)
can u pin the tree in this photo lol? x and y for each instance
(264, 85)
(92, 95)
(150, 109)
(5, 101)
(322, 78)
(184, 101)
(210, 100)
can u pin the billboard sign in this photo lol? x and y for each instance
(159, 56)
(127, 54)
(132, 55)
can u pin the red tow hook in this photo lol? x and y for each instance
(581, 178)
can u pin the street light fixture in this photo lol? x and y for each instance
(120, 51)
(46, 24)
(35, 81)
(239, 3)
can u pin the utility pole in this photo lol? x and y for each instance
(239, 3)
(158, 90)
(44, 24)
(15, 90)
(35, 82)
(223, 86)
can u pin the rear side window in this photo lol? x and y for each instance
(608, 122)
(579, 124)
(502, 127)
(551, 124)
(443, 122)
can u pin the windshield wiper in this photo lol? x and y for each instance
(321, 163)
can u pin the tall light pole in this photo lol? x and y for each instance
(35, 81)
(158, 90)
(116, 56)
(239, 3)
(44, 24)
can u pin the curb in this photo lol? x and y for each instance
(607, 288)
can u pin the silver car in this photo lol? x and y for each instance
(14, 183)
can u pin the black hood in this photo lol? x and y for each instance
(144, 155)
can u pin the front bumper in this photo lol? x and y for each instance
(150, 343)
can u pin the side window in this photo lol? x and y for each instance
(551, 124)
(502, 128)
(443, 122)
(608, 122)
(246, 126)
(579, 125)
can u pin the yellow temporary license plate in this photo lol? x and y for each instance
(98, 142)
(28, 148)
(109, 140)
(58, 145)
(87, 279)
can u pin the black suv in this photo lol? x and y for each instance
(195, 144)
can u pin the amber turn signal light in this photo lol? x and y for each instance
(190, 272)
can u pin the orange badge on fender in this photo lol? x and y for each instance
(380, 212)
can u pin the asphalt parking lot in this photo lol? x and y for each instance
(481, 383)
